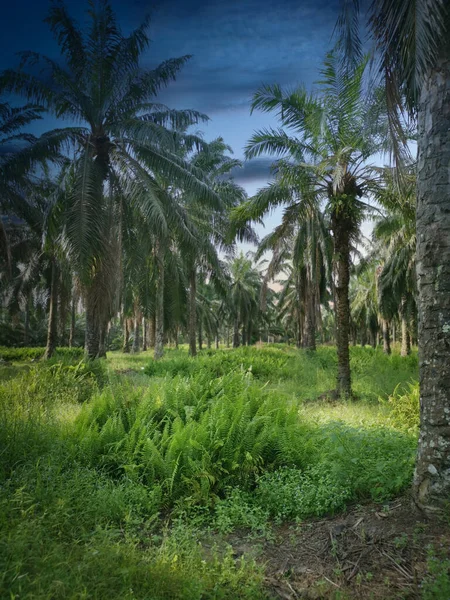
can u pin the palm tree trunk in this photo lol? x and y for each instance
(299, 328)
(386, 337)
(26, 333)
(217, 342)
(236, 339)
(144, 334)
(208, 341)
(363, 337)
(159, 312)
(342, 273)
(432, 474)
(72, 319)
(200, 336)
(137, 332)
(309, 342)
(63, 306)
(102, 339)
(192, 312)
(126, 336)
(152, 331)
(406, 340)
(52, 329)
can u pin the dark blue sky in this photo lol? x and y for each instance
(236, 47)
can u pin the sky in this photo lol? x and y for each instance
(236, 46)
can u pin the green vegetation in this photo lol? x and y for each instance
(102, 469)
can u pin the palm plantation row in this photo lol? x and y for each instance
(123, 211)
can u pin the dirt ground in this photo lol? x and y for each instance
(371, 552)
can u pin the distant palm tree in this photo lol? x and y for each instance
(121, 136)
(395, 232)
(301, 248)
(244, 298)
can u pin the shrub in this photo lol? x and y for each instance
(268, 364)
(405, 408)
(193, 437)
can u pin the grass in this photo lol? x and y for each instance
(109, 473)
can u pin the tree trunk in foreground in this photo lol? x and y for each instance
(192, 312)
(432, 475)
(386, 337)
(52, 329)
(159, 309)
(342, 271)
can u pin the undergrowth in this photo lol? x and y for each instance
(104, 482)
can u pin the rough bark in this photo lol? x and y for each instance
(192, 312)
(52, 328)
(159, 311)
(342, 275)
(386, 337)
(432, 475)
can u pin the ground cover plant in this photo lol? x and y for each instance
(106, 463)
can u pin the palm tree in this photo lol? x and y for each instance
(303, 240)
(213, 225)
(412, 43)
(395, 233)
(122, 137)
(327, 159)
(244, 298)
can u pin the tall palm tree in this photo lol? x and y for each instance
(121, 136)
(327, 156)
(412, 41)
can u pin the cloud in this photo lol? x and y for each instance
(253, 171)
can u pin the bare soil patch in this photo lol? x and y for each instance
(376, 551)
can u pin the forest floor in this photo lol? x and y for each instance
(373, 551)
(313, 505)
